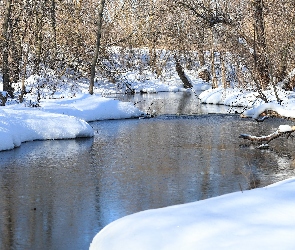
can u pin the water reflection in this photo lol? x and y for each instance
(182, 103)
(59, 194)
(45, 203)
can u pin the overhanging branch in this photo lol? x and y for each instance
(282, 130)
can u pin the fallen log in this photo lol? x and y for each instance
(282, 130)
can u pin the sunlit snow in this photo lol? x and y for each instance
(261, 218)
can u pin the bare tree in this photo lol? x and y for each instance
(97, 46)
(5, 48)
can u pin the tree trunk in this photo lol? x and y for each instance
(53, 24)
(39, 41)
(24, 73)
(260, 49)
(223, 70)
(213, 72)
(97, 46)
(5, 51)
(201, 38)
(181, 74)
(282, 71)
(201, 58)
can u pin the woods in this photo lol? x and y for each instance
(247, 43)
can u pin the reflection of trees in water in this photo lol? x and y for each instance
(184, 100)
(40, 195)
(265, 167)
(7, 219)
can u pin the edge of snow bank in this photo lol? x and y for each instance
(28, 125)
(254, 219)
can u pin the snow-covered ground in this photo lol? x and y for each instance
(261, 218)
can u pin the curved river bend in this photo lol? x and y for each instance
(59, 194)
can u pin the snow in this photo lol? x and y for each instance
(286, 111)
(65, 108)
(254, 219)
(285, 128)
(91, 108)
(261, 218)
(21, 125)
(252, 101)
(58, 119)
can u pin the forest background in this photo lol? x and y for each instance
(248, 43)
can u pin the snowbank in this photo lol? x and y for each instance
(281, 110)
(262, 218)
(251, 100)
(21, 125)
(230, 97)
(58, 119)
(91, 108)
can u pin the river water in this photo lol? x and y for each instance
(59, 194)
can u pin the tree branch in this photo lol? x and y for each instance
(195, 11)
(282, 130)
(210, 17)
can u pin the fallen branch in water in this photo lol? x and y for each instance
(282, 130)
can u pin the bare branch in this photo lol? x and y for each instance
(189, 7)
(282, 130)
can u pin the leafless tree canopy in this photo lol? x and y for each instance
(76, 36)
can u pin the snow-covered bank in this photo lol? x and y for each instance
(252, 101)
(21, 125)
(91, 108)
(149, 83)
(262, 218)
(58, 119)
(287, 111)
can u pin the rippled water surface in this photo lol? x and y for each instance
(59, 194)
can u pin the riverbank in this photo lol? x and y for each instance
(257, 219)
(254, 105)
(64, 118)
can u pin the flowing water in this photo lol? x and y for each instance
(59, 194)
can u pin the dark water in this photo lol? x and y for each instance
(59, 194)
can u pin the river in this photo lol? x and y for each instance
(59, 194)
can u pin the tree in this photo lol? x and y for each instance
(261, 61)
(97, 45)
(5, 48)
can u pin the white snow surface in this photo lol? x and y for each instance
(284, 110)
(58, 119)
(91, 108)
(257, 219)
(21, 125)
(261, 218)
(285, 128)
(250, 100)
